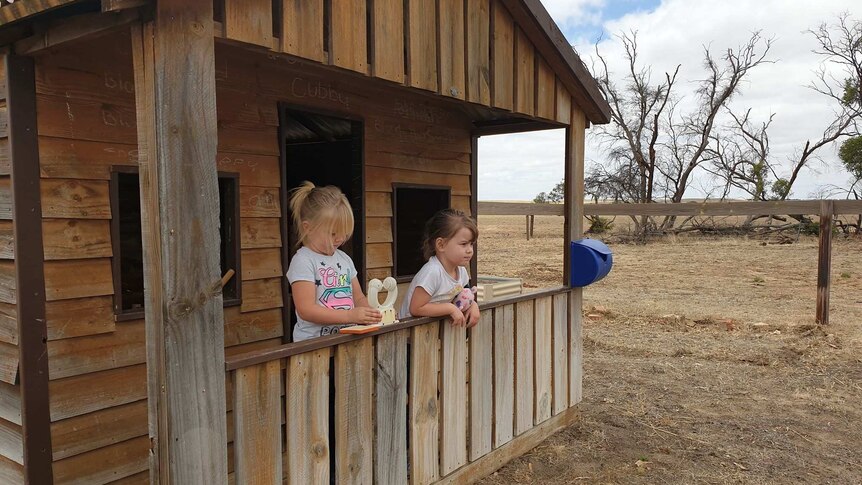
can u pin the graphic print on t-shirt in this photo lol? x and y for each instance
(337, 293)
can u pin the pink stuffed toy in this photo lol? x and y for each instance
(465, 298)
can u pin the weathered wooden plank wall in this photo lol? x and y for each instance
(98, 381)
(468, 50)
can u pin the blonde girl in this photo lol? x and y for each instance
(448, 246)
(326, 292)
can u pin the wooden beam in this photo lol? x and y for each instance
(574, 202)
(520, 209)
(741, 208)
(75, 28)
(512, 125)
(29, 269)
(474, 204)
(175, 93)
(27, 8)
(117, 5)
(824, 261)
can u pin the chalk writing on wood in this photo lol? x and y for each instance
(115, 118)
(264, 200)
(302, 88)
(401, 132)
(227, 162)
(131, 155)
(119, 82)
(418, 112)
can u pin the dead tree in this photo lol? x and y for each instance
(653, 149)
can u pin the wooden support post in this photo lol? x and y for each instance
(29, 269)
(824, 261)
(174, 62)
(532, 224)
(574, 203)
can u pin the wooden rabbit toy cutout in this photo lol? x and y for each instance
(391, 287)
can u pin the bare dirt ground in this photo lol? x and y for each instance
(701, 363)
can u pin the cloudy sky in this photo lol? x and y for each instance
(670, 32)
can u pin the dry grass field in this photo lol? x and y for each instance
(702, 363)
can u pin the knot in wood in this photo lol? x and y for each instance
(180, 310)
(431, 407)
(318, 450)
(197, 28)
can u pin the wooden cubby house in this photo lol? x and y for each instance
(150, 144)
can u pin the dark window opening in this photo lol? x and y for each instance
(127, 240)
(412, 206)
(325, 150)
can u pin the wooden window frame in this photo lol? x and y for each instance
(398, 185)
(121, 315)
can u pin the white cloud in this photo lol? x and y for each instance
(573, 13)
(675, 33)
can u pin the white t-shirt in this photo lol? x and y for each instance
(333, 288)
(434, 279)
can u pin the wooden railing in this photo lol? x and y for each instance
(454, 403)
(733, 208)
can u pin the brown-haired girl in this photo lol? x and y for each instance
(326, 292)
(448, 246)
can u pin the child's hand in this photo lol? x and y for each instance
(473, 315)
(457, 316)
(365, 316)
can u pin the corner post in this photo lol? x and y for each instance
(824, 261)
(174, 61)
(574, 224)
(29, 269)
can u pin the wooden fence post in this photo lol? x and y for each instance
(824, 262)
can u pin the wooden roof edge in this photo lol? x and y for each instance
(536, 22)
(23, 9)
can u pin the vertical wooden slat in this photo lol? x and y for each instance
(422, 44)
(502, 57)
(388, 39)
(576, 349)
(257, 426)
(307, 417)
(453, 398)
(824, 261)
(564, 103)
(481, 382)
(174, 62)
(424, 364)
(525, 100)
(575, 147)
(451, 48)
(561, 353)
(249, 21)
(523, 366)
(504, 374)
(390, 465)
(543, 356)
(354, 362)
(545, 90)
(478, 43)
(19, 77)
(302, 29)
(347, 46)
